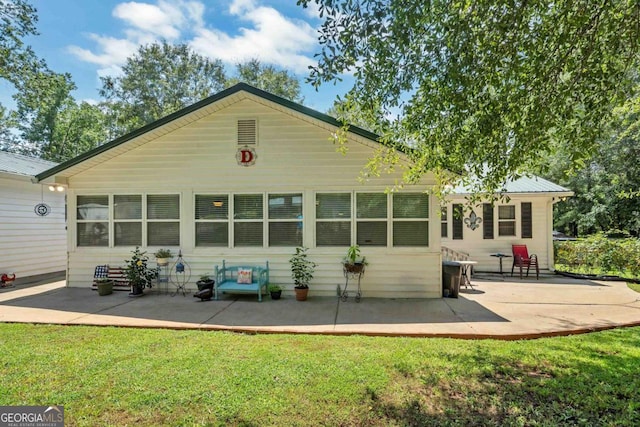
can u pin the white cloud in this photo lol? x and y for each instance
(270, 37)
(114, 51)
(241, 6)
(165, 19)
(267, 34)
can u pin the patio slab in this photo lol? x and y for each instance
(497, 307)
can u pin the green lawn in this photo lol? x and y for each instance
(141, 377)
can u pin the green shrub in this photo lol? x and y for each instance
(600, 255)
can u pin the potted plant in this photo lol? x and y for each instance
(302, 272)
(104, 285)
(163, 256)
(205, 282)
(275, 291)
(139, 274)
(353, 262)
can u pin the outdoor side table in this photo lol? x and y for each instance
(466, 274)
(500, 256)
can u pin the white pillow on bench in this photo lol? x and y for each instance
(244, 276)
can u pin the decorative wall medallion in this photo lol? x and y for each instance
(473, 221)
(246, 156)
(42, 209)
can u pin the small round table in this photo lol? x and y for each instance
(464, 265)
(500, 256)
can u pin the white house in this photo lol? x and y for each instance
(525, 216)
(246, 176)
(33, 241)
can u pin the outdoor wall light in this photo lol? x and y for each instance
(58, 188)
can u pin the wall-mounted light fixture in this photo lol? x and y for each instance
(56, 187)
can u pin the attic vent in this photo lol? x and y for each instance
(247, 132)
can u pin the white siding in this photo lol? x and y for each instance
(294, 155)
(30, 245)
(480, 249)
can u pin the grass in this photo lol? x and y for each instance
(144, 377)
(634, 286)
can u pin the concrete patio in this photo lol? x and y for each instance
(497, 307)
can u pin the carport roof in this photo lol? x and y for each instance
(526, 185)
(19, 164)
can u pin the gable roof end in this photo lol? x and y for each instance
(198, 105)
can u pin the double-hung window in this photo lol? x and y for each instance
(136, 218)
(285, 219)
(507, 220)
(411, 219)
(127, 220)
(248, 221)
(212, 220)
(444, 222)
(333, 219)
(92, 215)
(163, 220)
(371, 223)
(372, 219)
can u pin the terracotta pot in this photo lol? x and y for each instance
(301, 294)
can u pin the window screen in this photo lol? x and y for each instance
(163, 220)
(507, 220)
(93, 220)
(444, 222)
(410, 219)
(285, 219)
(371, 224)
(212, 220)
(248, 220)
(333, 224)
(127, 212)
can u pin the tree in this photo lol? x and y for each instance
(79, 128)
(41, 95)
(607, 187)
(158, 80)
(483, 88)
(7, 138)
(268, 78)
(17, 20)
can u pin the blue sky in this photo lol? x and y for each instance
(92, 38)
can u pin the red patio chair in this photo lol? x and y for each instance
(521, 258)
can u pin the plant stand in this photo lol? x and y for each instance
(352, 271)
(179, 275)
(163, 277)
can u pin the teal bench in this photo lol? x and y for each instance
(226, 278)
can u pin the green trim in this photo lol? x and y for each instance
(200, 104)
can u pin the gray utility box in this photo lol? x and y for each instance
(451, 277)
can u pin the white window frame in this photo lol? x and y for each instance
(226, 221)
(353, 220)
(145, 221)
(513, 220)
